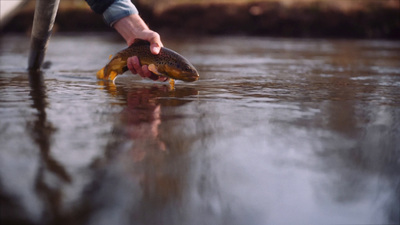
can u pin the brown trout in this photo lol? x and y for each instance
(167, 63)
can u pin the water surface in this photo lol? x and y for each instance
(276, 131)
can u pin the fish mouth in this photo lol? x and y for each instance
(178, 74)
(190, 77)
(187, 77)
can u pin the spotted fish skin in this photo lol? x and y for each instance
(167, 63)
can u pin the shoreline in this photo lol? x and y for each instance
(316, 19)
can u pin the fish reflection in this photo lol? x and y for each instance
(142, 118)
(141, 163)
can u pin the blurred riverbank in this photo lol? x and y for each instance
(276, 18)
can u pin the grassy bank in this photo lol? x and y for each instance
(284, 18)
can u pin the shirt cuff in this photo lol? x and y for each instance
(118, 10)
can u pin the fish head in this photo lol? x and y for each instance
(182, 70)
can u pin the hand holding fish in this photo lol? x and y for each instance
(146, 55)
(167, 63)
(131, 28)
(134, 66)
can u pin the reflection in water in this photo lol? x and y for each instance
(362, 156)
(146, 173)
(51, 175)
(274, 127)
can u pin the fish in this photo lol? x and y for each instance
(167, 63)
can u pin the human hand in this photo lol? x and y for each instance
(131, 28)
(143, 71)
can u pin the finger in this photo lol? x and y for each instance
(154, 39)
(130, 65)
(155, 43)
(137, 66)
(163, 79)
(147, 73)
(155, 49)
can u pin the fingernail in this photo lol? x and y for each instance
(155, 50)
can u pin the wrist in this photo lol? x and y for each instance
(130, 26)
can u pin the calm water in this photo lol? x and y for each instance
(276, 131)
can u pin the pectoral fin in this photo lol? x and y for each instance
(154, 70)
(100, 73)
(172, 84)
(112, 75)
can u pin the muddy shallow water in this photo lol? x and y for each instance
(276, 131)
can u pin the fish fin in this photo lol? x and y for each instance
(172, 84)
(118, 65)
(112, 75)
(100, 73)
(110, 57)
(154, 70)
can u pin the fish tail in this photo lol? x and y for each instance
(100, 73)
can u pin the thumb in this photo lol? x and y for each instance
(155, 42)
(155, 48)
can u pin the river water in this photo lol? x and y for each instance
(276, 131)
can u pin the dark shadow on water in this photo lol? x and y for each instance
(41, 130)
(49, 191)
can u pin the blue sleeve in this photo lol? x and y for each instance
(99, 6)
(118, 10)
